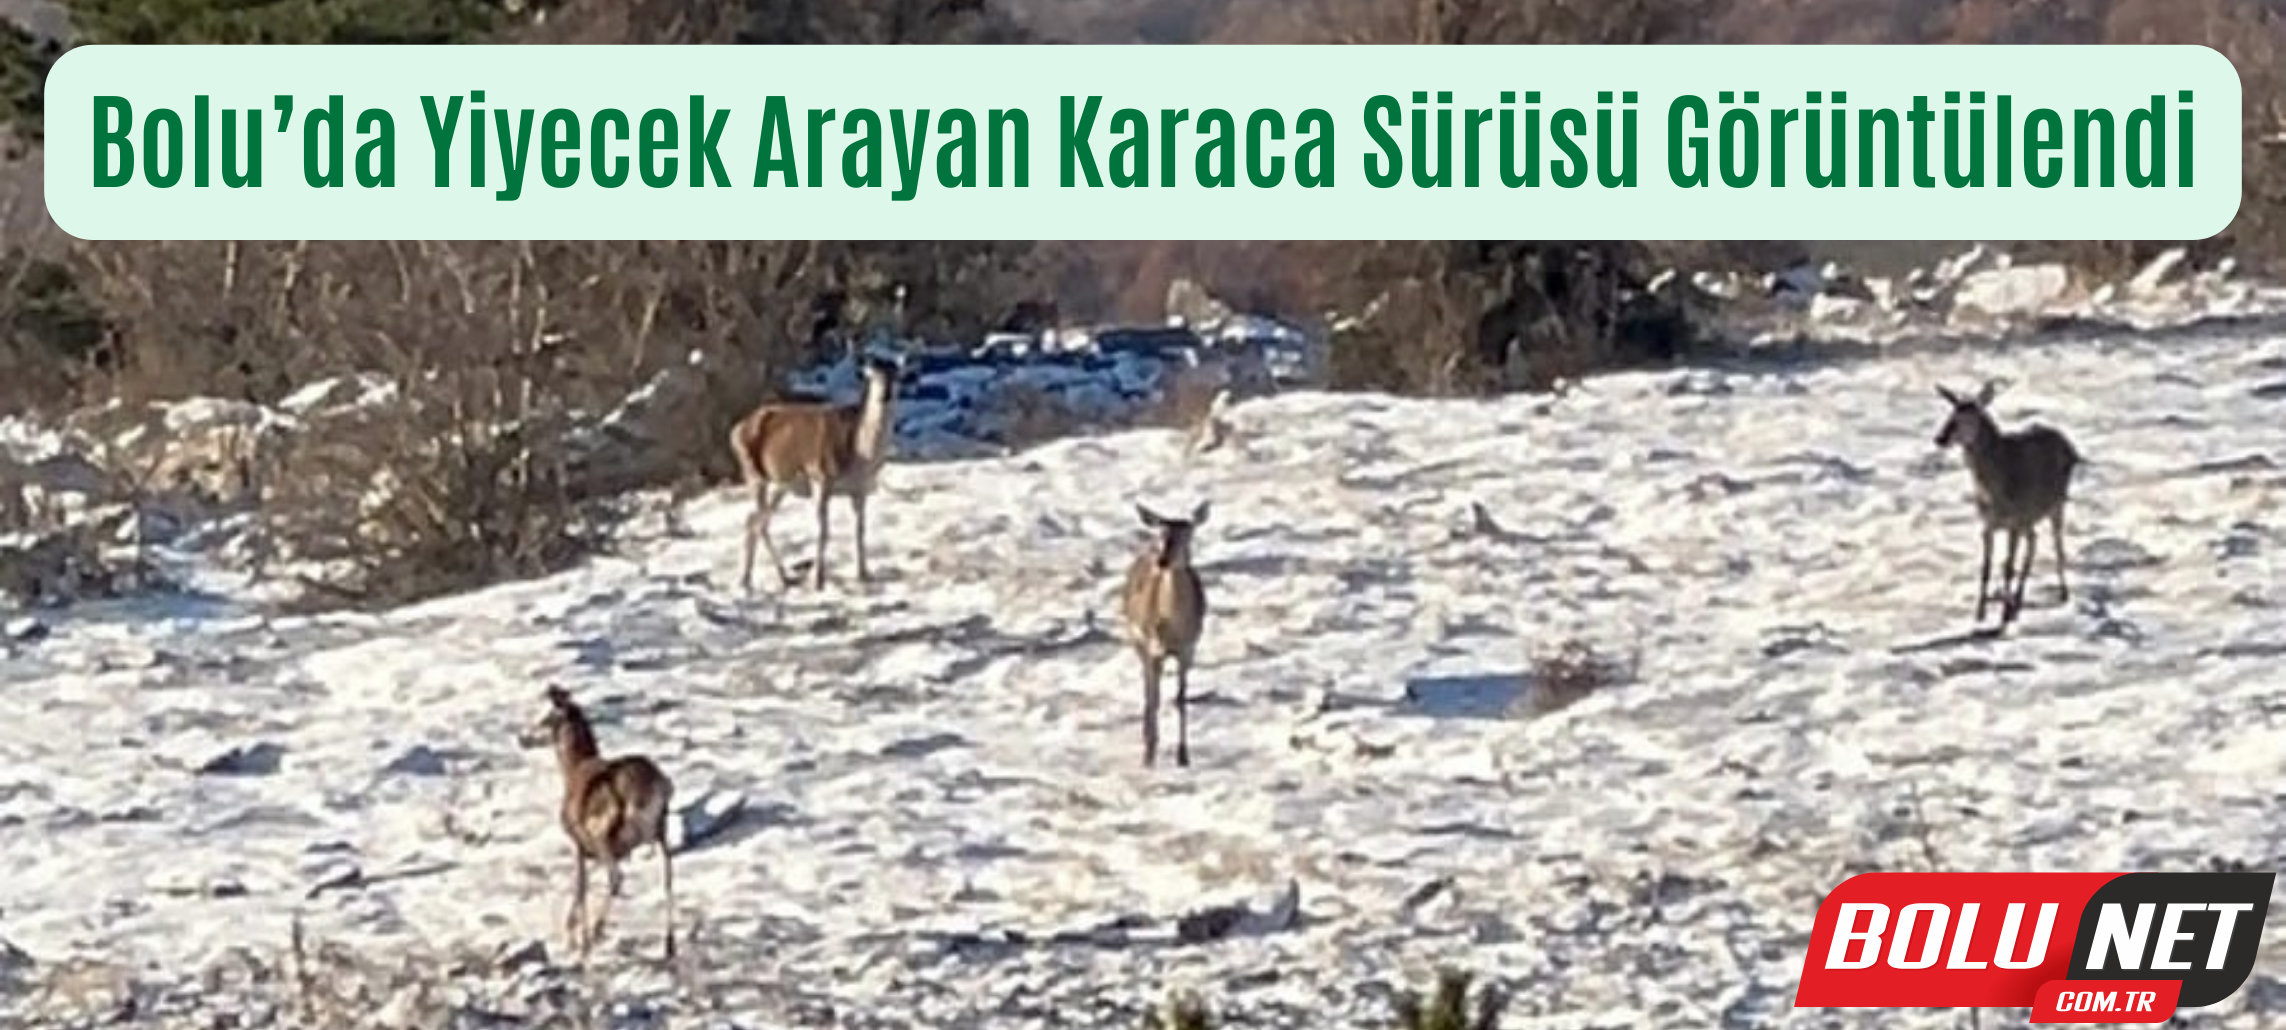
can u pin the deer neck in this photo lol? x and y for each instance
(1980, 439)
(1981, 451)
(575, 747)
(1167, 579)
(873, 425)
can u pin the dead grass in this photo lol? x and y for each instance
(1448, 1006)
(1183, 1010)
(310, 983)
(308, 980)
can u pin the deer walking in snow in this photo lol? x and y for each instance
(2023, 477)
(611, 807)
(821, 451)
(1165, 608)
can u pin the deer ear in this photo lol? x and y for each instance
(1991, 390)
(1949, 396)
(1199, 515)
(1150, 518)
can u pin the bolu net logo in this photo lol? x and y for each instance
(2073, 947)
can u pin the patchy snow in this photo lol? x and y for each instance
(2022, 288)
(1980, 295)
(921, 803)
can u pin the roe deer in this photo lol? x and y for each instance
(1208, 430)
(1165, 607)
(2022, 477)
(821, 451)
(611, 807)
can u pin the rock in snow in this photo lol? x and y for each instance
(1251, 917)
(258, 759)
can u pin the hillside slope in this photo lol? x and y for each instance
(923, 805)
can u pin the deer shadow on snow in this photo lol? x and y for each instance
(1505, 695)
(1474, 695)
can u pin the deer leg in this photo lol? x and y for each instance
(857, 509)
(2031, 554)
(1183, 712)
(746, 559)
(602, 910)
(613, 879)
(825, 521)
(766, 497)
(667, 878)
(2056, 533)
(1984, 577)
(1150, 710)
(575, 917)
(2007, 571)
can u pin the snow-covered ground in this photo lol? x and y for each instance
(925, 801)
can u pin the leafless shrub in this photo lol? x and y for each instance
(50, 331)
(99, 551)
(428, 503)
(534, 381)
(72, 565)
(460, 480)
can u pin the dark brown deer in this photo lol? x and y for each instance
(1165, 607)
(611, 807)
(822, 451)
(2023, 477)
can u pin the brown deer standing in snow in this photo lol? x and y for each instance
(611, 807)
(821, 451)
(1165, 607)
(2023, 477)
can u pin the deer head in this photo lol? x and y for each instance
(1967, 422)
(1173, 547)
(563, 716)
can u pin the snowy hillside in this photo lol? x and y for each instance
(922, 804)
